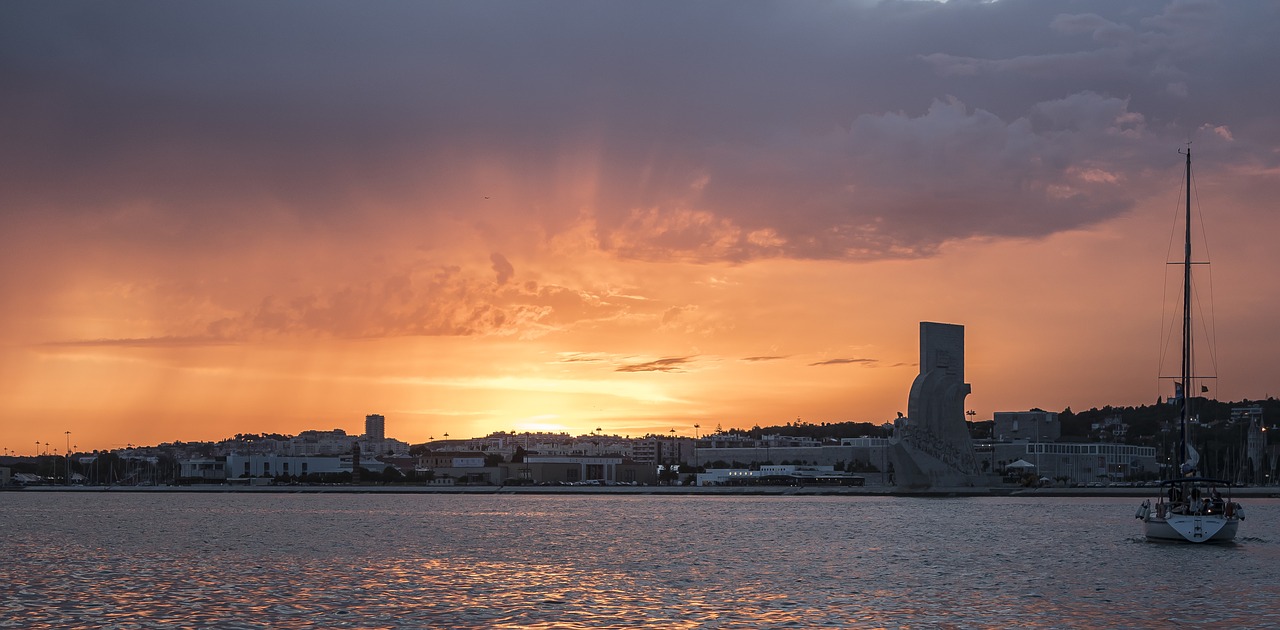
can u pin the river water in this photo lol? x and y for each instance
(249, 560)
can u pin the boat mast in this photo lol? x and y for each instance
(1186, 320)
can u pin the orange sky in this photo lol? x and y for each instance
(239, 231)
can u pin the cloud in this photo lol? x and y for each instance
(764, 358)
(139, 342)
(584, 357)
(1219, 130)
(670, 364)
(444, 300)
(501, 267)
(867, 362)
(704, 132)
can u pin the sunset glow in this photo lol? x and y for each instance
(470, 217)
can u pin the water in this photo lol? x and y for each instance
(242, 560)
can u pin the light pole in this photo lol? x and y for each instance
(675, 456)
(695, 446)
(67, 458)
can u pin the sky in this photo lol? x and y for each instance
(476, 216)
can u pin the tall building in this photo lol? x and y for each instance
(375, 427)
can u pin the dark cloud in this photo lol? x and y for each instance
(584, 357)
(502, 267)
(718, 130)
(670, 364)
(845, 361)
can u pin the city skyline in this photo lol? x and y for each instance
(477, 217)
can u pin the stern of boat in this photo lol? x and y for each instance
(1191, 528)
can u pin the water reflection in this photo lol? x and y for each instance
(362, 561)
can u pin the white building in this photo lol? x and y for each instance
(282, 465)
(333, 442)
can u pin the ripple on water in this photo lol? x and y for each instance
(370, 561)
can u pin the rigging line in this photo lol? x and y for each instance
(1210, 328)
(1167, 334)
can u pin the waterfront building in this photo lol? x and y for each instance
(572, 469)
(1074, 462)
(432, 460)
(203, 469)
(257, 465)
(601, 470)
(778, 475)
(868, 454)
(547, 470)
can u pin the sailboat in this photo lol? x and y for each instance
(1190, 508)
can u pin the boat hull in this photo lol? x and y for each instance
(1191, 528)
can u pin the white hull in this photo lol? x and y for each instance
(1191, 528)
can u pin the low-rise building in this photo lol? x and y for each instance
(1032, 426)
(779, 475)
(1076, 462)
(203, 469)
(285, 465)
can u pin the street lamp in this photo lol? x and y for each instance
(695, 447)
(67, 458)
(675, 448)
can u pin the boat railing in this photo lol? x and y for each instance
(1195, 496)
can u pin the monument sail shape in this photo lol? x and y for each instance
(931, 446)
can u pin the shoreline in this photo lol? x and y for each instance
(1268, 492)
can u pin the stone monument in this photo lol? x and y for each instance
(930, 447)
